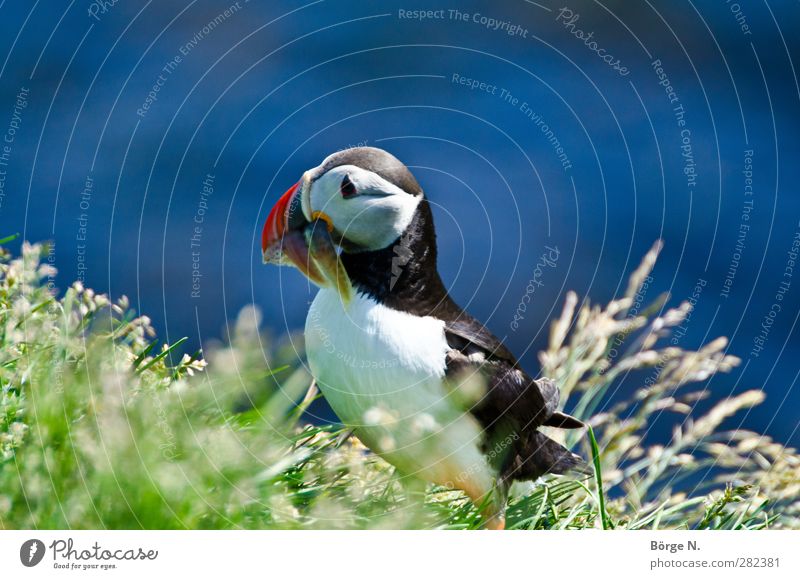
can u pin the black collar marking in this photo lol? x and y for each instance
(404, 277)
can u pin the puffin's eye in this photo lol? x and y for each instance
(347, 188)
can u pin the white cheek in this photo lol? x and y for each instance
(375, 222)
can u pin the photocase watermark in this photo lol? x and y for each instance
(7, 146)
(327, 344)
(548, 259)
(51, 274)
(66, 555)
(453, 14)
(507, 97)
(565, 16)
(548, 133)
(792, 254)
(169, 444)
(197, 232)
(498, 450)
(83, 227)
(741, 19)
(633, 312)
(53, 308)
(679, 112)
(183, 51)
(32, 552)
(679, 333)
(363, 143)
(100, 8)
(568, 18)
(744, 225)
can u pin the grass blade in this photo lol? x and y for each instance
(598, 477)
(163, 354)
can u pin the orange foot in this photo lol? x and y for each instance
(496, 524)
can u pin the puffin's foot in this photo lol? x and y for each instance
(494, 507)
(496, 523)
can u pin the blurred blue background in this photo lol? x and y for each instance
(117, 113)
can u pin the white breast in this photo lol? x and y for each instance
(382, 372)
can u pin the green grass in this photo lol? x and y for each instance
(100, 427)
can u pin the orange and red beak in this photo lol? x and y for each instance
(289, 238)
(276, 224)
(283, 239)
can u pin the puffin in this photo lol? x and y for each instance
(416, 378)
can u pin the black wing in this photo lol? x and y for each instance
(514, 404)
(467, 330)
(511, 395)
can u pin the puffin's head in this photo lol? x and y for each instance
(359, 199)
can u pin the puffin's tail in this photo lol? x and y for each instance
(560, 420)
(536, 455)
(551, 457)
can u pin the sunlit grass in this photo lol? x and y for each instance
(102, 427)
